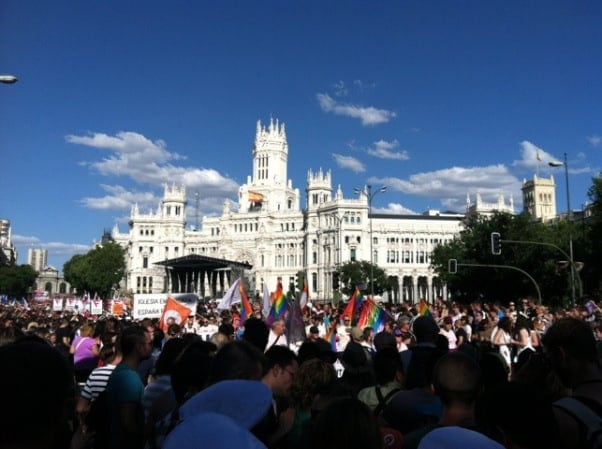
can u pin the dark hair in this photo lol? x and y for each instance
(236, 360)
(256, 333)
(457, 378)
(387, 363)
(278, 356)
(129, 338)
(574, 336)
(171, 350)
(33, 397)
(361, 427)
(191, 370)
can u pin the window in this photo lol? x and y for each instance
(150, 282)
(145, 262)
(352, 254)
(314, 257)
(314, 281)
(375, 240)
(139, 249)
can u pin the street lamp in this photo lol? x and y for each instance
(569, 216)
(8, 79)
(370, 196)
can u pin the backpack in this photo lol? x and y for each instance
(590, 420)
(383, 400)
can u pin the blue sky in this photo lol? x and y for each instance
(435, 100)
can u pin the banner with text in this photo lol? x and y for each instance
(151, 305)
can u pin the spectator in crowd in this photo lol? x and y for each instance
(125, 391)
(571, 349)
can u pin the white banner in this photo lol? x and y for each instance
(57, 304)
(151, 305)
(70, 304)
(96, 306)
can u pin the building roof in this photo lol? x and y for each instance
(202, 262)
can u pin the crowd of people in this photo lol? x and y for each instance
(517, 375)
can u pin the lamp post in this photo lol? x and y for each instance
(569, 216)
(370, 196)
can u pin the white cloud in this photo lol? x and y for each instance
(594, 140)
(533, 157)
(23, 243)
(451, 185)
(119, 198)
(146, 162)
(368, 115)
(340, 89)
(395, 209)
(363, 86)
(349, 163)
(384, 150)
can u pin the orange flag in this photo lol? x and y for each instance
(173, 309)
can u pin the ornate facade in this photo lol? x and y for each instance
(268, 229)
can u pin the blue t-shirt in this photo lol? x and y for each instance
(125, 387)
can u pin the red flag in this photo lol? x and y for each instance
(173, 309)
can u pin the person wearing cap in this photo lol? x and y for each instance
(314, 333)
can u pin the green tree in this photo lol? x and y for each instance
(17, 280)
(520, 235)
(590, 231)
(98, 271)
(357, 273)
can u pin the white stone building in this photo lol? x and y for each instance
(268, 229)
(37, 258)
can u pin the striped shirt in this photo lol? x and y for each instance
(97, 382)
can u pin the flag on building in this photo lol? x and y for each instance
(423, 308)
(373, 316)
(255, 197)
(173, 309)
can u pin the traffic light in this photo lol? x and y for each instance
(496, 243)
(452, 266)
(335, 280)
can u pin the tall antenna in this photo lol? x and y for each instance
(196, 210)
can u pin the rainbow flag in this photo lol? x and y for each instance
(373, 316)
(279, 305)
(331, 337)
(353, 306)
(304, 295)
(245, 310)
(423, 308)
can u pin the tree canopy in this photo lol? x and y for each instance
(358, 273)
(98, 271)
(17, 280)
